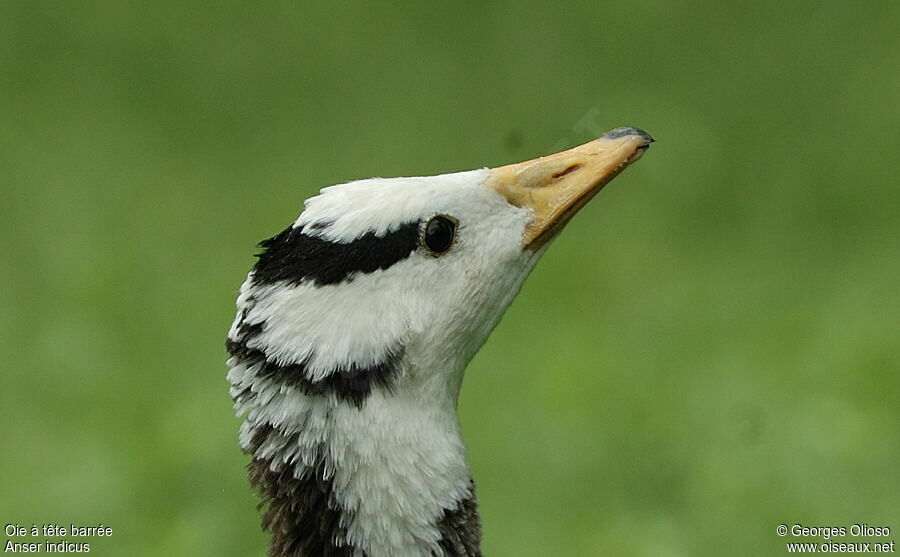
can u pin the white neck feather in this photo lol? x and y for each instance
(397, 462)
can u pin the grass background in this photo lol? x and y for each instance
(710, 349)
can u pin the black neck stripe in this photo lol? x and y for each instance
(301, 514)
(353, 384)
(460, 528)
(294, 256)
(304, 517)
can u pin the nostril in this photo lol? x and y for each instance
(568, 170)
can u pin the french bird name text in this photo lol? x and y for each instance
(57, 531)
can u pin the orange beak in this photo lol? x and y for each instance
(555, 187)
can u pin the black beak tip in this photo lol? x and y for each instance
(628, 130)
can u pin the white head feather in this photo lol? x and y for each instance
(397, 460)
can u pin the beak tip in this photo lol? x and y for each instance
(616, 133)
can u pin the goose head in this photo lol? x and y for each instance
(353, 331)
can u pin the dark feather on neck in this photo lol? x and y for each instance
(301, 514)
(460, 528)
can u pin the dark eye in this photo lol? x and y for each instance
(438, 234)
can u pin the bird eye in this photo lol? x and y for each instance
(438, 234)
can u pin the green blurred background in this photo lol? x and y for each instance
(710, 349)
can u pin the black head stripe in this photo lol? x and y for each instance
(352, 384)
(294, 256)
